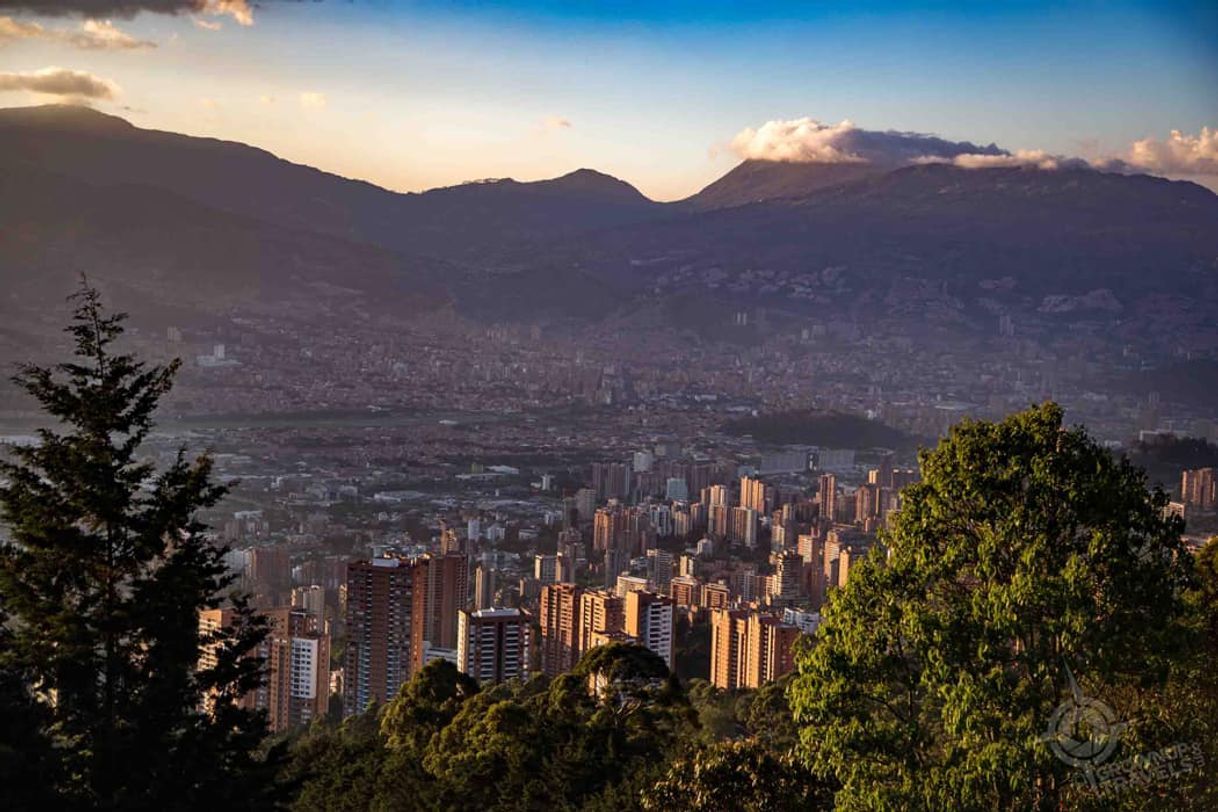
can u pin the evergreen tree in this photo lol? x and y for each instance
(103, 574)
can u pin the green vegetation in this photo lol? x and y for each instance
(617, 733)
(101, 584)
(827, 429)
(1025, 550)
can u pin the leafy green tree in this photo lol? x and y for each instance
(1025, 548)
(741, 775)
(103, 576)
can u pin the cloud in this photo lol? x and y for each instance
(240, 10)
(93, 35)
(311, 100)
(801, 140)
(806, 140)
(551, 123)
(1180, 154)
(1036, 158)
(207, 25)
(60, 82)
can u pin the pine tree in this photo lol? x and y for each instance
(103, 574)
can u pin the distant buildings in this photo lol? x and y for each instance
(297, 652)
(1199, 490)
(559, 618)
(492, 644)
(649, 620)
(749, 649)
(380, 603)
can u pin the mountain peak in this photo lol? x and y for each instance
(590, 181)
(755, 180)
(63, 117)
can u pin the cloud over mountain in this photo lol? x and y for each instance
(73, 84)
(1179, 154)
(806, 140)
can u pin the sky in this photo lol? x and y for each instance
(413, 95)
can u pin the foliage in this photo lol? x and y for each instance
(739, 775)
(1025, 548)
(442, 743)
(101, 583)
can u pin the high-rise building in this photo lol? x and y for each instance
(685, 590)
(659, 570)
(211, 623)
(868, 502)
(629, 583)
(753, 494)
(649, 619)
(715, 496)
(312, 599)
(441, 589)
(827, 496)
(599, 611)
(545, 568)
(1199, 489)
(492, 644)
(559, 628)
(609, 528)
(297, 654)
(484, 586)
(271, 568)
(726, 647)
(749, 649)
(380, 603)
(788, 578)
(716, 596)
(744, 527)
(769, 650)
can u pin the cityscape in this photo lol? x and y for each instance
(818, 465)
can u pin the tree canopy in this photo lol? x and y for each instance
(102, 578)
(1025, 552)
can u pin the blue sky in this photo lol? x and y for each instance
(418, 94)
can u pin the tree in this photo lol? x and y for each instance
(103, 577)
(741, 775)
(1025, 549)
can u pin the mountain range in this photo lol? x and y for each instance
(209, 225)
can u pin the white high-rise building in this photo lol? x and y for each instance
(649, 620)
(493, 644)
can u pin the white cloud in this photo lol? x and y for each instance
(1037, 158)
(239, 10)
(207, 25)
(555, 123)
(53, 81)
(802, 140)
(806, 140)
(311, 100)
(1179, 154)
(93, 35)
